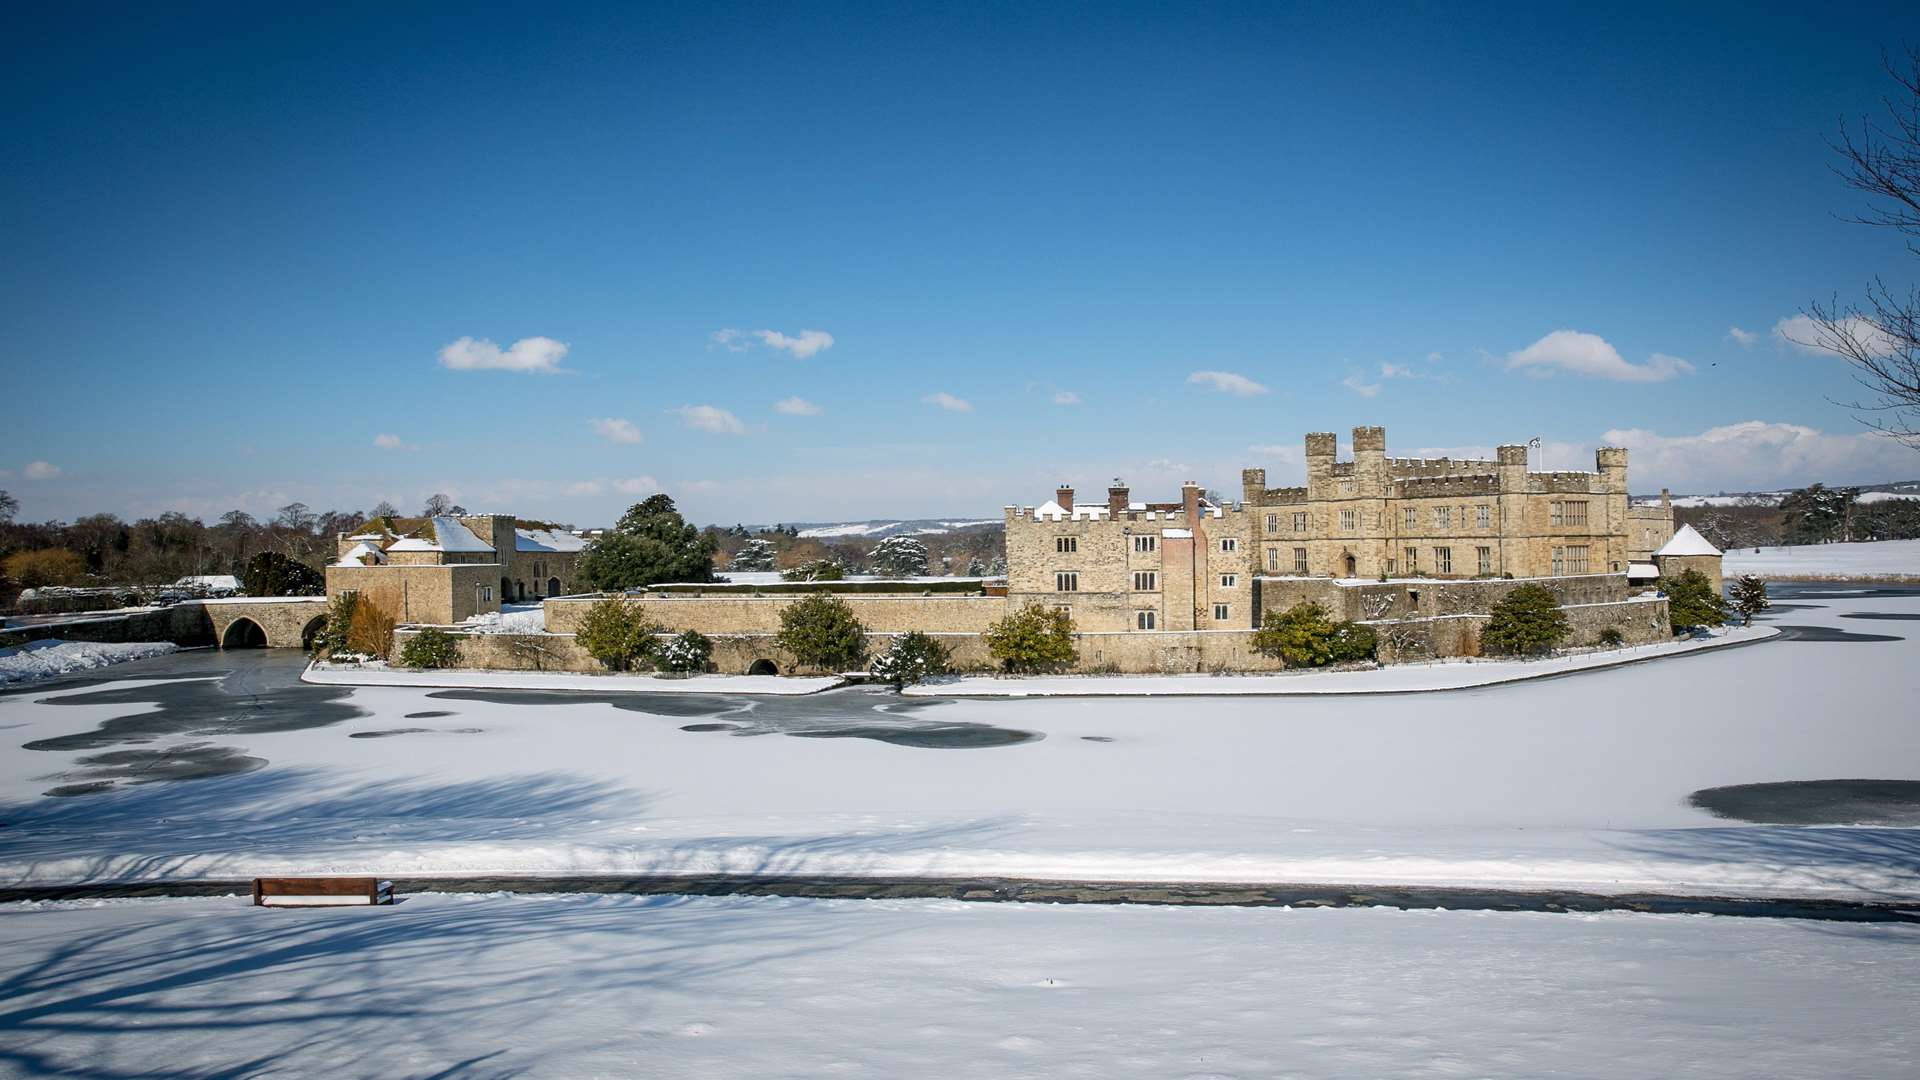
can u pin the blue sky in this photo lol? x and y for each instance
(243, 246)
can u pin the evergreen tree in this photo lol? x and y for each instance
(1691, 601)
(910, 658)
(822, 632)
(1525, 622)
(651, 543)
(899, 557)
(1749, 598)
(1304, 635)
(754, 556)
(1032, 639)
(272, 574)
(976, 568)
(817, 570)
(617, 633)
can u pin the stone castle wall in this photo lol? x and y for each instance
(719, 613)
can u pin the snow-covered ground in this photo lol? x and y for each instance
(1393, 679)
(50, 657)
(629, 683)
(1571, 783)
(625, 986)
(1880, 559)
(510, 619)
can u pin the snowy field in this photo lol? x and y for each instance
(1881, 559)
(225, 765)
(52, 657)
(625, 986)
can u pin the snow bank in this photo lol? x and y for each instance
(561, 680)
(47, 658)
(524, 619)
(1880, 559)
(1393, 679)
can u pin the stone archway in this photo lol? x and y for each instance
(553, 586)
(763, 667)
(311, 631)
(243, 633)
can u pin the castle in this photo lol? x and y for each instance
(1419, 549)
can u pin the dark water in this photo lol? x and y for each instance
(1896, 616)
(1830, 634)
(190, 713)
(1816, 802)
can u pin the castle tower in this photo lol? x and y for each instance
(1370, 461)
(1611, 463)
(1253, 486)
(1321, 448)
(1511, 464)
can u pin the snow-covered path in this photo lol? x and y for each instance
(626, 986)
(1578, 783)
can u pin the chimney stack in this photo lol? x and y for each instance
(1190, 501)
(1117, 497)
(1064, 496)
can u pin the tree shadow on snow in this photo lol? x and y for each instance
(1859, 859)
(455, 987)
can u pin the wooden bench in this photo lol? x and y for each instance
(320, 891)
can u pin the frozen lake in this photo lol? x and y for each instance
(212, 764)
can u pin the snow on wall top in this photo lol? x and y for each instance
(546, 540)
(1688, 541)
(211, 581)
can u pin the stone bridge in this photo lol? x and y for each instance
(269, 622)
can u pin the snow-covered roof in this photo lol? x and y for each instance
(211, 581)
(1687, 541)
(1052, 509)
(546, 540)
(362, 554)
(367, 536)
(457, 537)
(1640, 571)
(414, 543)
(1177, 534)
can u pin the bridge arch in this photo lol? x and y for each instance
(243, 633)
(763, 666)
(311, 631)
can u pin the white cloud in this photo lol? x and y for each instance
(40, 470)
(617, 430)
(1744, 338)
(948, 402)
(1434, 358)
(796, 406)
(1275, 452)
(1066, 397)
(709, 418)
(539, 355)
(1589, 354)
(1227, 382)
(583, 487)
(387, 441)
(637, 485)
(799, 346)
(1359, 385)
(1756, 455)
(1166, 465)
(1815, 339)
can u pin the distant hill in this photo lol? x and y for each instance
(1869, 493)
(881, 528)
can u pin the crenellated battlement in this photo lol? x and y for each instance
(1427, 487)
(1407, 468)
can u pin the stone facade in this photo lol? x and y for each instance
(724, 613)
(1379, 516)
(1125, 566)
(449, 568)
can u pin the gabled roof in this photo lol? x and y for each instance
(362, 554)
(1687, 541)
(454, 536)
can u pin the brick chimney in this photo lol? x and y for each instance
(1190, 501)
(1064, 496)
(1117, 497)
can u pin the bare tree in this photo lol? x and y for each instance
(438, 503)
(1880, 337)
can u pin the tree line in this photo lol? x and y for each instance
(1815, 514)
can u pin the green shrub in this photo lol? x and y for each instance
(332, 636)
(1032, 639)
(1611, 637)
(1525, 622)
(911, 658)
(430, 647)
(822, 632)
(1304, 635)
(617, 633)
(1691, 601)
(691, 651)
